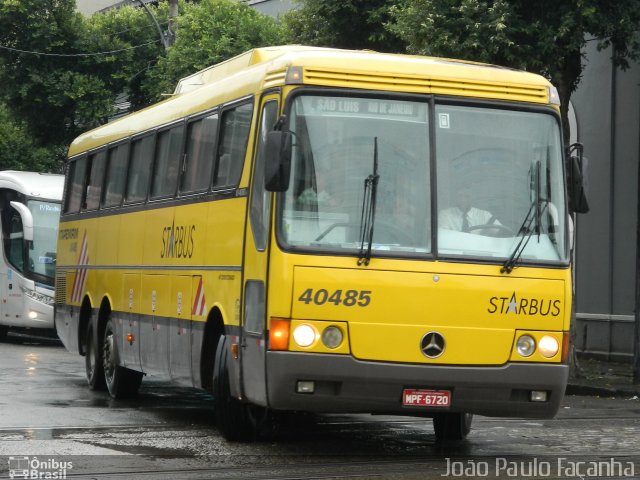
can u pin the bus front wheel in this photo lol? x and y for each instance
(237, 421)
(121, 382)
(452, 426)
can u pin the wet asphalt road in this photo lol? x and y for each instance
(50, 420)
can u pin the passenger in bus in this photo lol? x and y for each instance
(463, 217)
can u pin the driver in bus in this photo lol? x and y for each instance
(463, 217)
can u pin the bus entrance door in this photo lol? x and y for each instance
(254, 328)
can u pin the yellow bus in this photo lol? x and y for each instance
(323, 230)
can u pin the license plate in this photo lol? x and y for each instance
(426, 398)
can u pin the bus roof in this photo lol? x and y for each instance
(47, 186)
(267, 67)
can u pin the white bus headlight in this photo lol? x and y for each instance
(332, 337)
(39, 297)
(304, 335)
(525, 345)
(548, 346)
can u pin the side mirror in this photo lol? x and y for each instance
(278, 161)
(576, 184)
(27, 220)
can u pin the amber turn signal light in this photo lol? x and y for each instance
(279, 333)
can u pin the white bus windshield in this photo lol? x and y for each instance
(42, 257)
(497, 170)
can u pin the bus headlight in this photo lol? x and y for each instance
(548, 346)
(304, 335)
(526, 345)
(332, 337)
(39, 297)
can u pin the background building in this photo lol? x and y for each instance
(607, 108)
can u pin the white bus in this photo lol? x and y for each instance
(29, 216)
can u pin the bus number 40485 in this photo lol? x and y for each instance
(348, 298)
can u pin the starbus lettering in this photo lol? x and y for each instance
(524, 306)
(178, 241)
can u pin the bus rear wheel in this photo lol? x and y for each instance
(93, 362)
(452, 426)
(121, 382)
(237, 421)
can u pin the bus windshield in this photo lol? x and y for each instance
(42, 257)
(499, 179)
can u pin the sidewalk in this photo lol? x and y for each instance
(603, 379)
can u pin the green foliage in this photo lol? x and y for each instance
(34, 85)
(132, 36)
(18, 151)
(209, 32)
(466, 29)
(356, 24)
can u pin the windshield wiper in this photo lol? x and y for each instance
(536, 210)
(367, 219)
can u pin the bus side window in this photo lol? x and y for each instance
(165, 173)
(201, 140)
(232, 148)
(77, 169)
(93, 192)
(140, 169)
(116, 175)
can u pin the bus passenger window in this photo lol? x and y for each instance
(168, 151)
(75, 185)
(97, 163)
(201, 140)
(116, 175)
(233, 145)
(140, 169)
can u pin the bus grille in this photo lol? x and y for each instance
(61, 288)
(423, 84)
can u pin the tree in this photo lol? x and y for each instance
(209, 32)
(129, 33)
(17, 149)
(52, 90)
(546, 37)
(357, 24)
(61, 72)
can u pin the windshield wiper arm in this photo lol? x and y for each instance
(534, 214)
(367, 218)
(526, 232)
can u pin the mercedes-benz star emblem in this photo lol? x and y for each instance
(432, 345)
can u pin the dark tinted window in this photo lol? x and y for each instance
(201, 140)
(97, 162)
(75, 179)
(233, 145)
(140, 169)
(116, 175)
(168, 152)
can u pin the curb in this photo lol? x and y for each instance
(590, 390)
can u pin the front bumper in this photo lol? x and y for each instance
(344, 384)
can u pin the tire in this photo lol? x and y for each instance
(452, 426)
(121, 382)
(235, 419)
(4, 330)
(94, 370)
